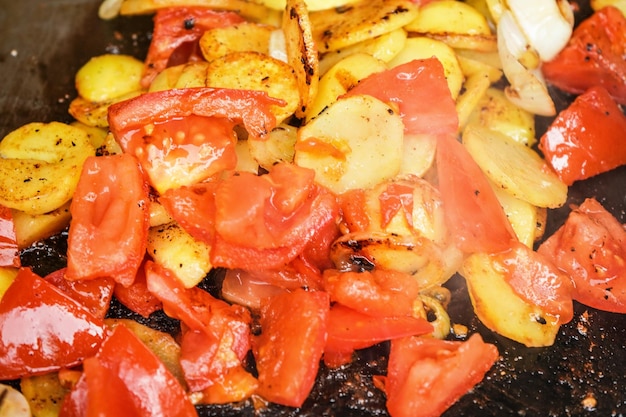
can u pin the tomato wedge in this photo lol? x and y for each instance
(125, 374)
(590, 248)
(43, 329)
(110, 220)
(586, 138)
(289, 349)
(9, 252)
(176, 27)
(593, 56)
(420, 90)
(425, 376)
(136, 297)
(474, 214)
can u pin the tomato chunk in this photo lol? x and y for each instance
(472, 210)
(593, 56)
(9, 252)
(136, 297)
(176, 26)
(43, 329)
(590, 248)
(425, 376)
(586, 138)
(420, 91)
(289, 349)
(110, 220)
(126, 375)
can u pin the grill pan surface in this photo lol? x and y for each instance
(42, 45)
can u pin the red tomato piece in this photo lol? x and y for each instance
(110, 220)
(377, 293)
(176, 26)
(394, 198)
(586, 138)
(9, 252)
(289, 349)
(472, 210)
(95, 294)
(536, 279)
(43, 329)
(420, 90)
(590, 248)
(425, 376)
(353, 213)
(136, 297)
(126, 374)
(350, 330)
(593, 56)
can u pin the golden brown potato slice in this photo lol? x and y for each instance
(247, 36)
(302, 53)
(247, 8)
(344, 26)
(255, 71)
(44, 394)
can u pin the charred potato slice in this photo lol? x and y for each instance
(255, 71)
(247, 36)
(40, 165)
(302, 53)
(340, 27)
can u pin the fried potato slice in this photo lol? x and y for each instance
(311, 4)
(193, 74)
(514, 167)
(340, 27)
(246, 36)
(44, 393)
(40, 165)
(277, 146)
(30, 228)
(106, 77)
(95, 113)
(254, 71)
(302, 52)
(248, 8)
(355, 143)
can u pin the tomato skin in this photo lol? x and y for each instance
(473, 213)
(250, 107)
(586, 138)
(425, 376)
(377, 293)
(43, 329)
(593, 56)
(536, 279)
(176, 26)
(130, 371)
(110, 220)
(350, 330)
(589, 247)
(95, 294)
(289, 349)
(136, 297)
(9, 252)
(420, 91)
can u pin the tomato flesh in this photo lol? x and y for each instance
(589, 247)
(43, 329)
(593, 56)
(586, 138)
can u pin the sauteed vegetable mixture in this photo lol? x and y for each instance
(329, 166)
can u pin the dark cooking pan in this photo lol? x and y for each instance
(43, 43)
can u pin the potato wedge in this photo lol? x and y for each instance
(474, 88)
(172, 247)
(254, 71)
(355, 143)
(7, 275)
(341, 27)
(522, 215)
(40, 165)
(246, 36)
(341, 78)
(301, 51)
(514, 167)
(503, 311)
(30, 228)
(423, 47)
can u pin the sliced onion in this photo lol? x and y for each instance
(528, 88)
(543, 24)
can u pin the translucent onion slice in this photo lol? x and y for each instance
(544, 24)
(527, 88)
